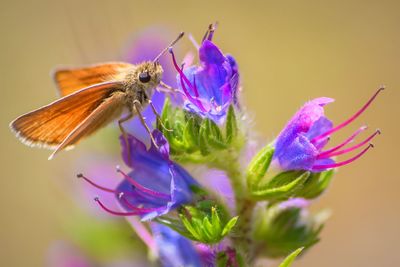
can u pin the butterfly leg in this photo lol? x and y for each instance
(169, 88)
(123, 131)
(158, 116)
(137, 106)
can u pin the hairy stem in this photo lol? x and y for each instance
(244, 206)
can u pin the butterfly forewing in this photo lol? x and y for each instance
(50, 125)
(109, 109)
(70, 80)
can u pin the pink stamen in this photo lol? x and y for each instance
(118, 213)
(338, 164)
(196, 91)
(347, 150)
(183, 80)
(347, 141)
(352, 118)
(142, 188)
(138, 209)
(80, 175)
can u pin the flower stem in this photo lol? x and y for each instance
(244, 206)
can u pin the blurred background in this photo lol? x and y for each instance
(288, 52)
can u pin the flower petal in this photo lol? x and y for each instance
(300, 154)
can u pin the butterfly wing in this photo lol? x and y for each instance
(70, 80)
(50, 125)
(109, 109)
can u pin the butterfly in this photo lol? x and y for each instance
(91, 97)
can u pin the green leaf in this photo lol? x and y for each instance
(281, 187)
(231, 125)
(229, 226)
(289, 259)
(259, 165)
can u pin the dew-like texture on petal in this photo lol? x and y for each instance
(167, 185)
(174, 249)
(293, 147)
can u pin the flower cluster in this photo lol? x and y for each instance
(184, 219)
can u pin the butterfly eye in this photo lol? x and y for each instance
(144, 77)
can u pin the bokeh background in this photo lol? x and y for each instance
(288, 52)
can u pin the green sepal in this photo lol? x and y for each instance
(191, 133)
(223, 259)
(229, 225)
(205, 226)
(278, 231)
(196, 139)
(231, 127)
(287, 262)
(281, 187)
(214, 135)
(316, 184)
(259, 165)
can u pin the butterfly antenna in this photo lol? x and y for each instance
(170, 45)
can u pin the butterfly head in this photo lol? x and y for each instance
(148, 75)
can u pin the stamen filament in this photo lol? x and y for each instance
(196, 92)
(118, 213)
(347, 150)
(142, 188)
(138, 209)
(347, 141)
(352, 118)
(183, 80)
(338, 164)
(80, 175)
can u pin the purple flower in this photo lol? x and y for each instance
(297, 202)
(300, 145)
(210, 88)
(156, 184)
(174, 249)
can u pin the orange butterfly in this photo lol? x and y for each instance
(92, 97)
